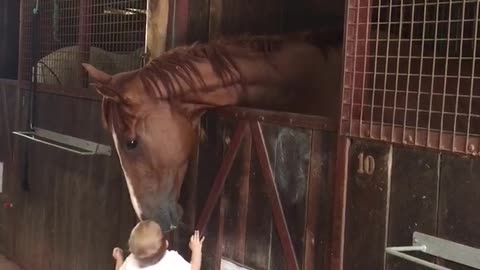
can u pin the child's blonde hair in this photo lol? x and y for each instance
(147, 242)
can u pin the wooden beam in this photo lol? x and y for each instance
(274, 197)
(157, 25)
(221, 176)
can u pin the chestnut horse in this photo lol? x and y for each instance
(153, 113)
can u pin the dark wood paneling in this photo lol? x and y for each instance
(259, 224)
(289, 151)
(7, 120)
(236, 197)
(75, 203)
(458, 209)
(245, 16)
(210, 157)
(9, 25)
(366, 208)
(319, 202)
(413, 199)
(198, 12)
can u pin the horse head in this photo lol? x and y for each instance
(153, 141)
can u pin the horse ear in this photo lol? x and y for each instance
(101, 80)
(97, 75)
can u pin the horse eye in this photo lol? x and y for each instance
(131, 144)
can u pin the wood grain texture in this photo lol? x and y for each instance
(413, 200)
(8, 93)
(289, 151)
(458, 208)
(319, 201)
(76, 203)
(366, 208)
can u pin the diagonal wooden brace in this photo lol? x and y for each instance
(221, 176)
(274, 197)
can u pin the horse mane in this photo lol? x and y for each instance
(179, 64)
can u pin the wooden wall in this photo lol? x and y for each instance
(409, 190)
(7, 121)
(242, 228)
(9, 24)
(77, 208)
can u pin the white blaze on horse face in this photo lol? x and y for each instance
(133, 198)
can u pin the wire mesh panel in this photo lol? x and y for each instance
(412, 73)
(110, 34)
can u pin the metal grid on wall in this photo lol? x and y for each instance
(412, 73)
(110, 34)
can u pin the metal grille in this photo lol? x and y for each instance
(110, 34)
(412, 73)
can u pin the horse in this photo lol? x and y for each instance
(153, 113)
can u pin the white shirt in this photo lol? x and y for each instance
(170, 261)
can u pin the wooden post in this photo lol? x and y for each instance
(156, 33)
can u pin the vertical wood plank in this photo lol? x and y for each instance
(289, 151)
(458, 219)
(259, 221)
(366, 209)
(319, 202)
(413, 200)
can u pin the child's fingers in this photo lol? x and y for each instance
(203, 238)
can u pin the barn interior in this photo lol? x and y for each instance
(272, 189)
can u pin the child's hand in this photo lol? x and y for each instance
(195, 242)
(117, 253)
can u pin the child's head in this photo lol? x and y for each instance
(147, 243)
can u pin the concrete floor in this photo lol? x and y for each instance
(5, 264)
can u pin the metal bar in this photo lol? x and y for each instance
(65, 142)
(274, 197)
(459, 146)
(397, 251)
(468, 146)
(437, 247)
(221, 176)
(433, 78)
(354, 68)
(459, 73)
(449, 24)
(398, 67)
(448, 250)
(366, 59)
(420, 77)
(372, 103)
(385, 78)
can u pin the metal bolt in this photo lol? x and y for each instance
(227, 140)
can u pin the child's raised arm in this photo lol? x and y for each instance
(196, 246)
(118, 256)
